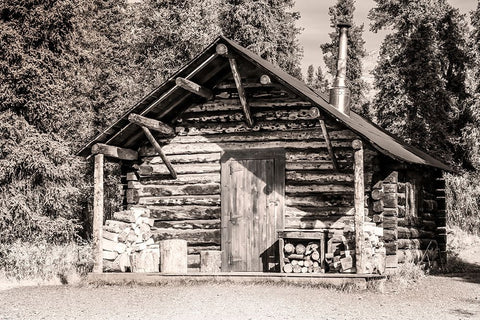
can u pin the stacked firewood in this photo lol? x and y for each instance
(128, 244)
(340, 256)
(302, 259)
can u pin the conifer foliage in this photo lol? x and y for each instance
(266, 27)
(421, 74)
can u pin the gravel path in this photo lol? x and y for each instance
(436, 297)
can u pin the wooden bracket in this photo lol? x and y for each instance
(194, 88)
(151, 124)
(315, 113)
(241, 91)
(114, 152)
(157, 147)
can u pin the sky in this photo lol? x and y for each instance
(315, 22)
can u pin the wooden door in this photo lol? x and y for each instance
(252, 208)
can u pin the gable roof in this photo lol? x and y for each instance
(167, 97)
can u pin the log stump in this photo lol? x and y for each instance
(210, 261)
(173, 256)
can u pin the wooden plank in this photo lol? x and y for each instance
(184, 158)
(171, 213)
(328, 222)
(241, 91)
(181, 169)
(182, 179)
(154, 190)
(210, 200)
(318, 178)
(233, 104)
(323, 189)
(189, 224)
(300, 135)
(193, 237)
(220, 147)
(159, 150)
(194, 87)
(98, 213)
(114, 152)
(331, 201)
(359, 202)
(151, 124)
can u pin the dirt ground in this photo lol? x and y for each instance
(434, 297)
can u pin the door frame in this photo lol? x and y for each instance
(278, 156)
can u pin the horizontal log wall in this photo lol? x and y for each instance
(420, 219)
(316, 196)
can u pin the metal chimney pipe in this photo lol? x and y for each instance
(340, 94)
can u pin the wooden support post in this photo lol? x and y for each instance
(194, 88)
(315, 113)
(151, 124)
(157, 147)
(359, 202)
(114, 152)
(241, 91)
(98, 214)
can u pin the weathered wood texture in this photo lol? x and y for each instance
(316, 195)
(114, 152)
(359, 204)
(98, 213)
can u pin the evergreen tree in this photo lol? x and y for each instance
(310, 75)
(471, 132)
(38, 175)
(320, 83)
(266, 27)
(421, 73)
(170, 33)
(343, 11)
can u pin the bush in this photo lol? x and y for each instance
(463, 201)
(44, 261)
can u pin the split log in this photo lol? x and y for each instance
(110, 235)
(125, 216)
(114, 152)
(315, 255)
(377, 194)
(297, 269)
(296, 256)
(289, 248)
(288, 268)
(146, 261)
(152, 124)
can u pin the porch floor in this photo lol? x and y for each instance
(334, 279)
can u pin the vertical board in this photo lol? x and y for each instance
(252, 209)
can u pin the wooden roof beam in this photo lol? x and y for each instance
(241, 92)
(160, 152)
(114, 152)
(152, 124)
(222, 50)
(315, 113)
(194, 88)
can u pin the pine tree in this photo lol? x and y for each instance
(320, 83)
(266, 27)
(471, 132)
(38, 175)
(421, 74)
(343, 11)
(310, 75)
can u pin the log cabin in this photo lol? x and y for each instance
(257, 172)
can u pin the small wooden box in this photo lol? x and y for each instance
(296, 236)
